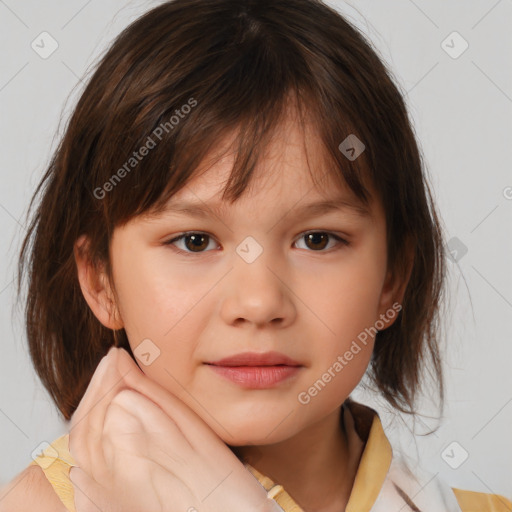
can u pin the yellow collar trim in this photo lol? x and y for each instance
(370, 475)
(372, 470)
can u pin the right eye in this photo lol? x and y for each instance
(194, 242)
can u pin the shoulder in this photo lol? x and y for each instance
(471, 501)
(30, 490)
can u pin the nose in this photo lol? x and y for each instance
(257, 293)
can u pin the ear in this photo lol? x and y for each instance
(394, 287)
(95, 287)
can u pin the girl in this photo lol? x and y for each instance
(179, 312)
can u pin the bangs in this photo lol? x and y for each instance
(160, 129)
(248, 139)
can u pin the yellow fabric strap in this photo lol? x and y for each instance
(275, 491)
(372, 470)
(56, 461)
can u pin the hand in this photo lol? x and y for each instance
(140, 449)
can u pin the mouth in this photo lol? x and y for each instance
(253, 370)
(256, 377)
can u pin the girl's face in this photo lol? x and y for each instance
(251, 280)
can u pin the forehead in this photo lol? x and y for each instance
(292, 169)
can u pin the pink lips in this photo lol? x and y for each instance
(256, 370)
(255, 359)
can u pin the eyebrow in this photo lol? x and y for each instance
(205, 210)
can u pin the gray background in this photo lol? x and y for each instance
(461, 108)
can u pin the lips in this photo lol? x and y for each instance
(255, 359)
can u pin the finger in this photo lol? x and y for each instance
(156, 435)
(163, 443)
(192, 426)
(82, 428)
(136, 429)
(123, 437)
(117, 371)
(87, 421)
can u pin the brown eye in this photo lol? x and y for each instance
(318, 240)
(196, 242)
(193, 242)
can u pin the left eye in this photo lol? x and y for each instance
(320, 238)
(196, 242)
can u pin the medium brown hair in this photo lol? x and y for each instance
(235, 63)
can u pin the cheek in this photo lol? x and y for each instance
(347, 302)
(162, 314)
(152, 303)
(347, 299)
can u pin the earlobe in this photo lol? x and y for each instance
(95, 287)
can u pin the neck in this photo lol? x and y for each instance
(315, 467)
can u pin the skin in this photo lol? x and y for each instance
(308, 301)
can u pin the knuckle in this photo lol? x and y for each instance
(119, 418)
(125, 397)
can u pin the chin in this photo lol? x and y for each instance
(250, 439)
(254, 430)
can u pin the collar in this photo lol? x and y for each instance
(372, 469)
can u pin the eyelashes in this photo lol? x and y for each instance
(195, 236)
(200, 240)
(313, 235)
